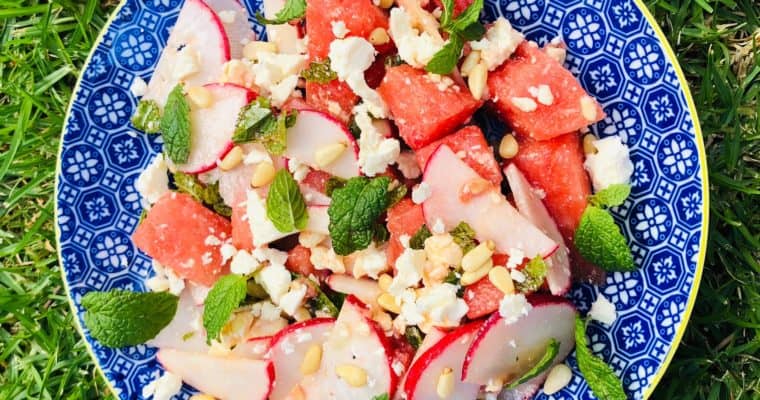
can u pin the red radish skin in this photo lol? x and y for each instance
(229, 378)
(506, 351)
(288, 349)
(448, 352)
(430, 339)
(488, 213)
(239, 31)
(314, 129)
(199, 27)
(530, 205)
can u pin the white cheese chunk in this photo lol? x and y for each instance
(243, 263)
(371, 262)
(349, 58)
(339, 29)
(277, 74)
(409, 268)
(421, 192)
(293, 299)
(610, 165)
(603, 311)
(376, 151)
(153, 182)
(415, 48)
(138, 87)
(262, 228)
(498, 44)
(164, 387)
(513, 307)
(275, 279)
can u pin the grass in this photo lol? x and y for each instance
(43, 46)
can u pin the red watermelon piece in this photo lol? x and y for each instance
(459, 6)
(334, 98)
(529, 68)
(422, 111)
(482, 298)
(477, 153)
(242, 238)
(360, 16)
(405, 218)
(317, 180)
(175, 233)
(556, 167)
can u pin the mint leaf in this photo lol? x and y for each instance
(256, 122)
(320, 72)
(175, 126)
(542, 365)
(611, 196)
(293, 9)
(444, 61)
(206, 194)
(381, 234)
(417, 242)
(397, 194)
(473, 31)
(221, 301)
(147, 117)
(464, 236)
(334, 183)
(448, 11)
(120, 318)
(354, 212)
(467, 21)
(599, 376)
(413, 336)
(599, 240)
(286, 207)
(383, 396)
(321, 302)
(535, 272)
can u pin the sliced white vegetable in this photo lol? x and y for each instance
(239, 30)
(312, 131)
(365, 290)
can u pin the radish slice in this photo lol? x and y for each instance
(255, 348)
(312, 131)
(365, 290)
(226, 378)
(212, 127)
(488, 213)
(448, 352)
(530, 206)
(234, 18)
(506, 351)
(430, 339)
(289, 348)
(186, 321)
(285, 36)
(197, 42)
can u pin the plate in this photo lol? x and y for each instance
(614, 47)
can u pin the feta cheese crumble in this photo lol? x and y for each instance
(293, 299)
(349, 58)
(441, 305)
(275, 279)
(602, 310)
(407, 164)
(339, 29)
(415, 48)
(376, 151)
(421, 192)
(513, 306)
(610, 165)
(277, 74)
(324, 258)
(370, 262)
(164, 387)
(262, 228)
(138, 87)
(153, 182)
(409, 268)
(298, 169)
(499, 43)
(243, 263)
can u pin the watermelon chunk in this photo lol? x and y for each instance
(405, 218)
(482, 298)
(477, 153)
(175, 233)
(556, 167)
(422, 110)
(242, 238)
(360, 16)
(526, 71)
(334, 98)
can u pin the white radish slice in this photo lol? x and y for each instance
(289, 348)
(255, 348)
(185, 331)
(313, 196)
(525, 391)
(430, 339)
(448, 352)
(239, 31)
(285, 36)
(197, 42)
(506, 351)
(488, 213)
(312, 131)
(531, 206)
(228, 378)
(234, 184)
(212, 128)
(358, 341)
(364, 289)
(264, 231)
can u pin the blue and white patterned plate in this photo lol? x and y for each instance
(615, 49)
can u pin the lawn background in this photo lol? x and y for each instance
(43, 46)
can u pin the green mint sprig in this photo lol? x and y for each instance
(354, 213)
(286, 207)
(175, 126)
(226, 295)
(147, 116)
(460, 29)
(535, 273)
(599, 376)
(258, 123)
(292, 10)
(207, 194)
(611, 196)
(120, 318)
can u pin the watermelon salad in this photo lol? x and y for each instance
(328, 219)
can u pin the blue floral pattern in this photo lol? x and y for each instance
(611, 48)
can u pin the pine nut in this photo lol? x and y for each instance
(470, 277)
(469, 63)
(384, 281)
(251, 49)
(500, 278)
(557, 53)
(311, 360)
(379, 36)
(478, 256)
(328, 154)
(588, 144)
(263, 174)
(477, 80)
(445, 385)
(559, 376)
(232, 159)
(301, 314)
(353, 375)
(386, 3)
(202, 396)
(200, 96)
(383, 319)
(508, 147)
(388, 302)
(588, 108)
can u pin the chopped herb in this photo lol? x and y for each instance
(292, 10)
(187, 336)
(226, 295)
(334, 183)
(464, 236)
(535, 272)
(552, 348)
(381, 234)
(413, 335)
(396, 194)
(147, 117)
(417, 242)
(206, 194)
(463, 28)
(258, 123)
(320, 72)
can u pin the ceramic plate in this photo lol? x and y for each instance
(614, 48)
